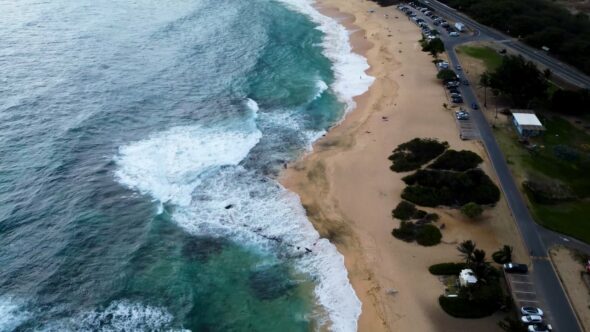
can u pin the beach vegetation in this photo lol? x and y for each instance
(434, 47)
(406, 210)
(457, 160)
(414, 154)
(472, 210)
(428, 235)
(446, 75)
(447, 268)
(424, 233)
(480, 300)
(438, 187)
(503, 255)
(466, 249)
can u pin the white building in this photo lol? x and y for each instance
(467, 278)
(527, 124)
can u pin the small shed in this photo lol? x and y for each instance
(460, 26)
(527, 124)
(467, 278)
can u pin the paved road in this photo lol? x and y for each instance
(547, 285)
(557, 67)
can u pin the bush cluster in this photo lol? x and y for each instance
(436, 187)
(459, 161)
(472, 210)
(425, 234)
(463, 308)
(447, 268)
(406, 210)
(411, 155)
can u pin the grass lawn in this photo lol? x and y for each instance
(490, 57)
(569, 218)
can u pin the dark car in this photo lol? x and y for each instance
(474, 106)
(457, 100)
(515, 268)
(465, 82)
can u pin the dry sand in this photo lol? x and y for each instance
(349, 191)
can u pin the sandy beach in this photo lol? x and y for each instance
(348, 190)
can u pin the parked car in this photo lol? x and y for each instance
(531, 311)
(465, 82)
(539, 328)
(452, 84)
(457, 100)
(454, 89)
(515, 268)
(531, 319)
(456, 94)
(454, 34)
(462, 115)
(474, 106)
(458, 67)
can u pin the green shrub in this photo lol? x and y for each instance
(447, 268)
(404, 210)
(472, 210)
(424, 234)
(406, 231)
(413, 154)
(428, 235)
(457, 160)
(435, 187)
(463, 308)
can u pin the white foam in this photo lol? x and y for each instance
(321, 88)
(118, 316)
(349, 68)
(12, 313)
(169, 165)
(268, 217)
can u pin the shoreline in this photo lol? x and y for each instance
(348, 191)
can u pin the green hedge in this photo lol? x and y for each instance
(428, 235)
(463, 308)
(435, 187)
(457, 160)
(411, 155)
(447, 268)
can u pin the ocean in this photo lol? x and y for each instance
(140, 143)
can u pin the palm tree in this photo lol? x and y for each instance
(467, 248)
(484, 81)
(479, 264)
(503, 255)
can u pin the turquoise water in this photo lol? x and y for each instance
(139, 144)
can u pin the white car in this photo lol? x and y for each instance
(454, 34)
(531, 319)
(531, 311)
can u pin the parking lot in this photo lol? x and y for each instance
(467, 129)
(522, 288)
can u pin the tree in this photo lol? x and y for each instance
(484, 81)
(434, 47)
(479, 265)
(466, 248)
(472, 210)
(446, 75)
(518, 79)
(503, 255)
